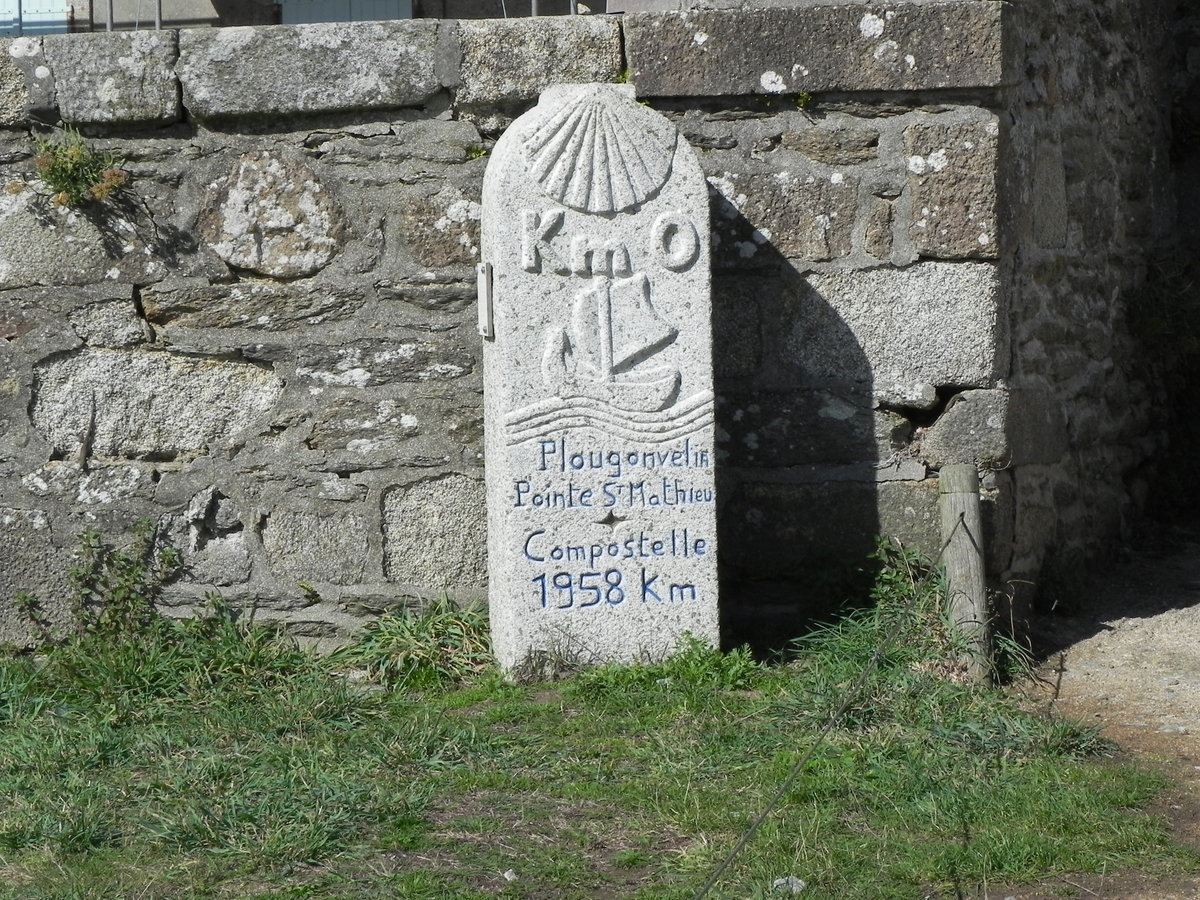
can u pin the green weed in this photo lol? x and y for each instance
(114, 590)
(73, 173)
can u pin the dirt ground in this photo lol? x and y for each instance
(1128, 659)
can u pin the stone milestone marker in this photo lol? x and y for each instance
(595, 309)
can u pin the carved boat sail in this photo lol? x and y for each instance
(614, 331)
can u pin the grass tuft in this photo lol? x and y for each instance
(439, 644)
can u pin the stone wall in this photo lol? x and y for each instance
(1091, 203)
(269, 348)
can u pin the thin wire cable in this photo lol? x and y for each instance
(851, 695)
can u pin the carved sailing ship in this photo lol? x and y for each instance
(614, 331)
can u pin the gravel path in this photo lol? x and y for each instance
(1129, 660)
(1132, 658)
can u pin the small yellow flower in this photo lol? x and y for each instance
(62, 198)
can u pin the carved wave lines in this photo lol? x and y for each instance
(538, 419)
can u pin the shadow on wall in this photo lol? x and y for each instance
(796, 440)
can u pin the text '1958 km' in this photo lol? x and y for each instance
(596, 590)
(574, 589)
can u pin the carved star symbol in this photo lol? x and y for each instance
(612, 520)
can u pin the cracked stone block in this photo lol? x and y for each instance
(435, 533)
(115, 77)
(287, 69)
(933, 323)
(146, 404)
(952, 182)
(109, 323)
(316, 546)
(213, 541)
(272, 215)
(971, 430)
(211, 538)
(792, 50)
(516, 59)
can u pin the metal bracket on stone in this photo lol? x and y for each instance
(487, 327)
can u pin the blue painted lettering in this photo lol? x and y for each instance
(589, 588)
(528, 542)
(648, 591)
(571, 496)
(683, 592)
(556, 455)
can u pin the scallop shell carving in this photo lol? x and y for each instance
(599, 151)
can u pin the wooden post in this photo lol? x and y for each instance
(962, 543)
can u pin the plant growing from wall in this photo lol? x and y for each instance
(114, 589)
(73, 173)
